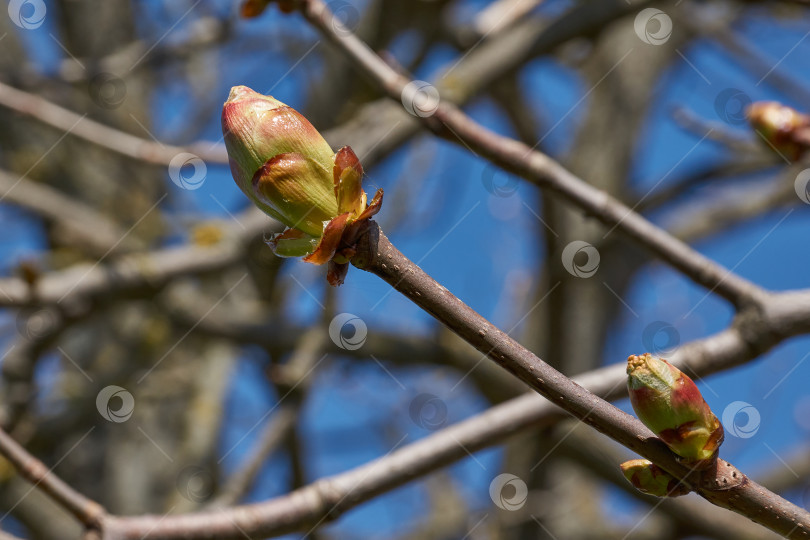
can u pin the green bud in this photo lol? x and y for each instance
(279, 160)
(649, 478)
(668, 402)
(287, 169)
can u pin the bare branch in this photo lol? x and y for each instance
(722, 484)
(450, 122)
(753, 332)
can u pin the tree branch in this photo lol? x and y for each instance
(89, 229)
(692, 516)
(88, 512)
(135, 271)
(451, 123)
(723, 484)
(753, 332)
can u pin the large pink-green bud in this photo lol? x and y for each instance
(649, 478)
(785, 129)
(296, 186)
(669, 403)
(284, 165)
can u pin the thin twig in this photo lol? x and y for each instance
(698, 221)
(136, 272)
(451, 123)
(293, 381)
(728, 170)
(269, 440)
(723, 485)
(751, 334)
(97, 133)
(500, 14)
(89, 229)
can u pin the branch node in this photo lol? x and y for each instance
(722, 476)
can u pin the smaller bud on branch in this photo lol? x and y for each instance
(649, 478)
(785, 129)
(668, 402)
(284, 165)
